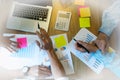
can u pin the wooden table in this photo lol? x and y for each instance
(82, 72)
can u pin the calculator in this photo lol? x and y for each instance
(63, 20)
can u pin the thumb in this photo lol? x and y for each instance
(38, 43)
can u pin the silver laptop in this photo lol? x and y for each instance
(25, 17)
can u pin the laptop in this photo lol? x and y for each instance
(26, 16)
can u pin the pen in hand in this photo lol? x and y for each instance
(79, 45)
(38, 26)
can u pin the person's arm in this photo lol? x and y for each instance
(56, 66)
(110, 20)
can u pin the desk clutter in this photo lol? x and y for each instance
(84, 13)
(32, 55)
(29, 54)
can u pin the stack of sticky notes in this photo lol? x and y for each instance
(84, 16)
(79, 2)
(22, 42)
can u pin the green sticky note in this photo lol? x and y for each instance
(84, 22)
(60, 41)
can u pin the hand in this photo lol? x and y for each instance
(40, 70)
(89, 46)
(46, 42)
(102, 42)
(8, 44)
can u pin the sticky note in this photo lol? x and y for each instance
(60, 41)
(79, 9)
(85, 12)
(22, 42)
(84, 22)
(79, 2)
(110, 50)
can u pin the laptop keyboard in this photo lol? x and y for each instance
(30, 12)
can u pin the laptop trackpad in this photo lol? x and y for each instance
(22, 24)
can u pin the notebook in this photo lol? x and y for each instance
(25, 17)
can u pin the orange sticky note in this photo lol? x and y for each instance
(81, 7)
(84, 22)
(85, 12)
(79, 2)
(22, 42)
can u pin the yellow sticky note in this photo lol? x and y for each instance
(85, 12)
(79, 2)
(84, 22)
(60, 41)
(110, 50)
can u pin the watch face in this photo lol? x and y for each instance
(25, 69)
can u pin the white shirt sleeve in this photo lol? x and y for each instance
(110, 18)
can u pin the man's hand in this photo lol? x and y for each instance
(45, 39)
(41, 71)
(102, 42)
(8, 44)
(89, 46)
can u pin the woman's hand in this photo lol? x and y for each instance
(8, 44)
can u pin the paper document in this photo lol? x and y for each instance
(91, 60)
(33, 55)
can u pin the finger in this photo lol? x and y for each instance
(44, 33)
(13, 43)
(9, 49)
(40, 35)
(101, 45)
(83, 43)
(79, 48)
(98, 44)
(38, 43)
(14, 48)
(44, 70)
(107, 48)
(11, 36)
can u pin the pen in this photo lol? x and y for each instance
(38, 26)
(79, 45)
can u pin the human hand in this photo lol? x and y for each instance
(40, 70)
(102, 42)
(8, 44)
(89, 46)
(46, 42)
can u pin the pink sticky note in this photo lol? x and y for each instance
(81, 7)
(22, 42)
